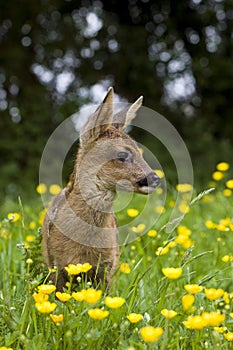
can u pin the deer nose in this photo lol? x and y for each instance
(151, 180)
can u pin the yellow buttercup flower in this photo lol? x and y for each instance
(168, 313)
(78, 296)
(184, 188)
(226, 298)
(183, 230)
(54, 189)
(229, 336)
(223, 166)
(151, 334)
(57, 318)
(78, 268)
(172, 204)
(63, 296)
(114, 302)
(172, 272)
(134, 318)
(159, 173)
(41, 188)
(184, 241)
(30, 238)
(213, 319)
(29, 261)
(193, 288)
(86, 267)
(159, 191)
(214, 294)
(210, 224)
(13, 217)
(138, 229)
(40, 297)
(184, 207)
(46, 307)
(217, 175)
(226, 258)
(187, 301)
(32, 225)
(162, 250)
(152, 233)
(98, 314)
(125, 268)
(73, 269)
(46, 288)
(5, 348)
(91, 296)
(195, 322)
(160, 209)
(229, 184)
(220, 329)
(227, 192)
(41, 217)
(132, 212)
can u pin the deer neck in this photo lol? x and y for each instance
(92, 202)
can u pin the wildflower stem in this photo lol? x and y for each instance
(165, 336)
(25, 313)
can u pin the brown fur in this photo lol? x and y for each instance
(80, 226)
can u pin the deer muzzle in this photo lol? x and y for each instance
(149, 183)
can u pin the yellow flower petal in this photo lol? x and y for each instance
(46, 307)
(214, 294)
(217, 175)
(114, 302)
(184, 188)
(195, 322)
(168, 313)
(40, 297)
(91, 296)
(134, 318)
(98, 314)
(172, 273)
(152, 233)
(46, 288)
(13, 217)
(223, 166)
(41, 188)
(193, 288)
(187, 301)
(125, 268)
(159, 173)
(213, 319)
(229, 184)
(57, 318)
(63, 296)
(54, 189)
(78, 296)
(132, 212)
(229, 336)
(151, 334)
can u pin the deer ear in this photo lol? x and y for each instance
(100, 121)
(124, 117)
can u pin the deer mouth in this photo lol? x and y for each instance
(148, 184)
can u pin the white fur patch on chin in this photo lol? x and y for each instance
(146, 189)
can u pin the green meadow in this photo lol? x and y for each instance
(172, 290)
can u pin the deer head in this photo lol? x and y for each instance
(108, 158)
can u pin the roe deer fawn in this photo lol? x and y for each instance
(80, 226)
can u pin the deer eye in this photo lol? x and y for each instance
(122, 156)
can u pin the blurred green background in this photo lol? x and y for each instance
(57, 55)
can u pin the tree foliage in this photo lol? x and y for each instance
(178, 54)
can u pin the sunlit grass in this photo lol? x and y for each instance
(171, 290)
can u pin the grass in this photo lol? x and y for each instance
(200, 247)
